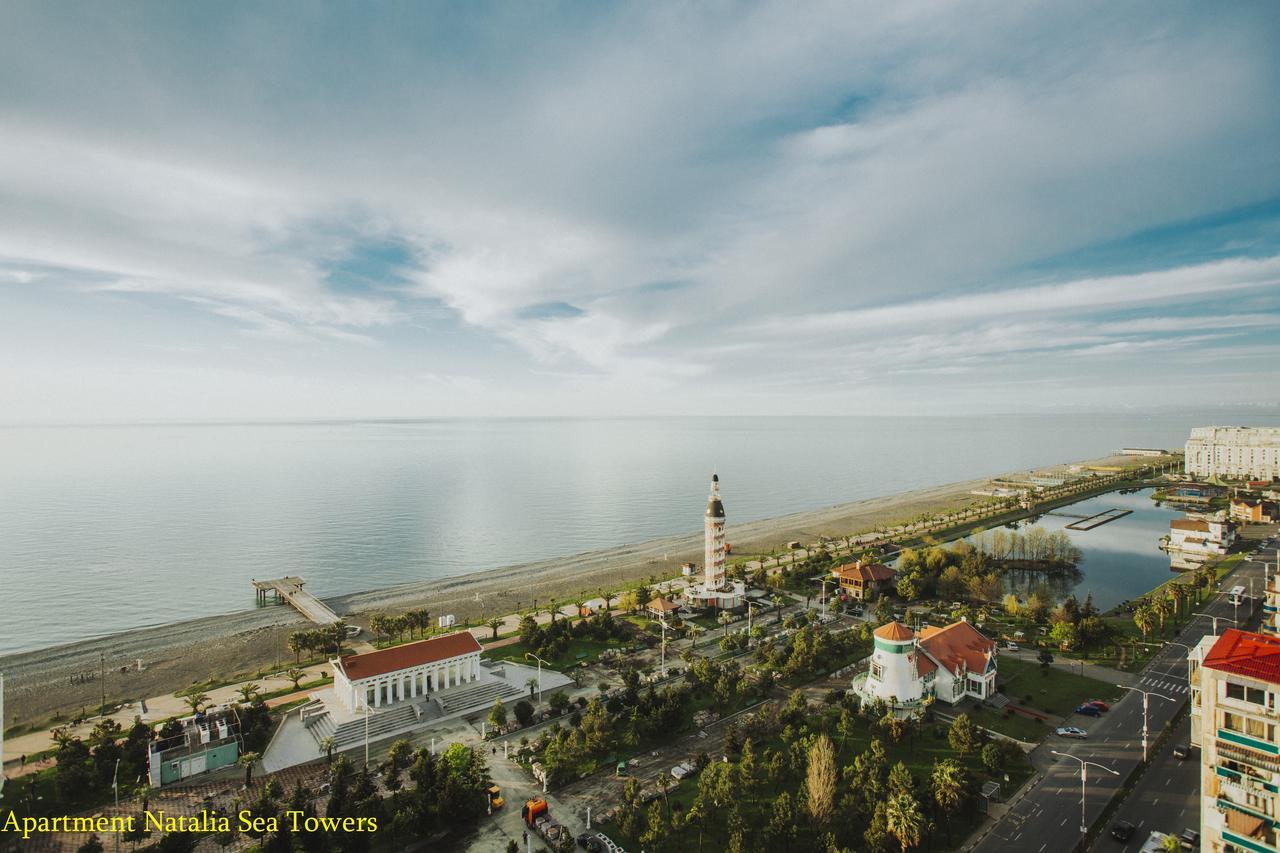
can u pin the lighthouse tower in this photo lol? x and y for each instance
(713, 550)
(894, 670)
(716, 591)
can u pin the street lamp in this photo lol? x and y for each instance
(1146, 694)
(1084, 777)
(540, 661)
(663, 665)
(1215, 620)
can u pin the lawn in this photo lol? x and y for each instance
(1053, 690)
(588, 648)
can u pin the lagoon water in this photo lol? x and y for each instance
(105, 528)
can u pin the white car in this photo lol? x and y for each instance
(1071, 731)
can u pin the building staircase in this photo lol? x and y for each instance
(477, 696)
(321, 724)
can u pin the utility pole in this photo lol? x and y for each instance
(102, 674)
(1146, 694)
(1084, 778)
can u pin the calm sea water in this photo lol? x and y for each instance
(107, 528)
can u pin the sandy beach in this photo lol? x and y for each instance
(175, 656)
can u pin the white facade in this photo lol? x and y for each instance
(1234, 453)
(893, 674)
(1201, 537)
(405, 683)
(906, 667)
(1234, 721)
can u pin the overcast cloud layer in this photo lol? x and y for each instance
(298, 210)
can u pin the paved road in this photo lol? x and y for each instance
(1167, 799)
(1048, 818)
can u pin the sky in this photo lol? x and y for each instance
(298, 210)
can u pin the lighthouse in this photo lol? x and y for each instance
(713, 535)
(716, 592)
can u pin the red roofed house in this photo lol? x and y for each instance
(1235, 690)
(863, 581)
(405, 672)
(949, 663)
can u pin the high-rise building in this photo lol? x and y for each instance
(1235, 683)
(1234, 453)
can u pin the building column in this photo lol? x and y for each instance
(413, 685)
(475, 668)
(377, 695)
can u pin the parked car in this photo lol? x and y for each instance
(1013, 647)
(1071, 731)
(1189, 839)
(1123, 830)
(1099, 704)
(1182, 752)
(1154, 843)
(1089, 711)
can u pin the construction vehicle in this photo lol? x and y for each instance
(535, 815)
(495, 798)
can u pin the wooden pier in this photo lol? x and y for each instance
(1098, 519)
(290, 589)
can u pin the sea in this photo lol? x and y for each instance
(105, 528)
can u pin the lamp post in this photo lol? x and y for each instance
(540, 661)
(663, 665)
(1084, 778)
(1215, 620)
(1146, 694)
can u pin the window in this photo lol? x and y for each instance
(1254, 695)
(877, 671)
(1246, 725)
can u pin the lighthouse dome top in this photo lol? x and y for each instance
(895, 632)
(715, 508)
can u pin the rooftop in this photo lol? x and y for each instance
(409, 655)
(895, 632)
(958, 642)
(1246, 653)
(864, 572)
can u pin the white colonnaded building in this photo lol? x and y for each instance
(403, 673)
(716, 591)
(1234, 453)
(950, 664)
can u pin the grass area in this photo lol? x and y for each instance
(1053, 690)
(588, 648)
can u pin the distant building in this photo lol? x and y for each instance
(1142, 451)
(863, 581)
(405, 672)
(1235, 686)
(208, 742)
(1254, 510)
(949, 664)
(1234, 453)
(662, 608)
(1201, 536)
(716, 592)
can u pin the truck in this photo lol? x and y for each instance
(537, 818)
(495, 797)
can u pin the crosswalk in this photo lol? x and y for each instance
(1164, 685)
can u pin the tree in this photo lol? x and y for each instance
(498, 715)
(327, 744)
(1066, 635)
(963, 735)
(532, 684)
(1144, 619)
(904, 821)
(196, 700)
(297, 642)
(948, 782)
(295, 675)
(820, 781)
(523, 712)
(1171, 844)
(93, 845)
(993, 758)
(247, 760)
(494, 624)
(1011, 604)
(248, 691)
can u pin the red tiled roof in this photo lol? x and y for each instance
(924, 666)
(864, 572)
(958, 642)
(662, 605)
(1246, 653)
(1189, 524)
(895, 632)
(409, 655)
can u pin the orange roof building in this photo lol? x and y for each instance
(863, 581)
(950, 664)
(403, 673)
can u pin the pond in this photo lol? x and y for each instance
(1121, 559)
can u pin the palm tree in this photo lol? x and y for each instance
(608, 599)
(695, 631)
(248, 692)
(295, 675)
(724, 619)
(196, 700)
(948, 784)
(494, 624)
(532, 684)
(778, 601)
(579, 604)
(1143, 618)
(296, 645)
(903, 820)
(247, 760)
(327, 744)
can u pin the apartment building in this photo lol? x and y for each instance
(1235, 679)
(1234, 453)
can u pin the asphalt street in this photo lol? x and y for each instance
(1049, 818)
(1166, 799)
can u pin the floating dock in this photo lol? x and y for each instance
(290, 589)
(1098, 519)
